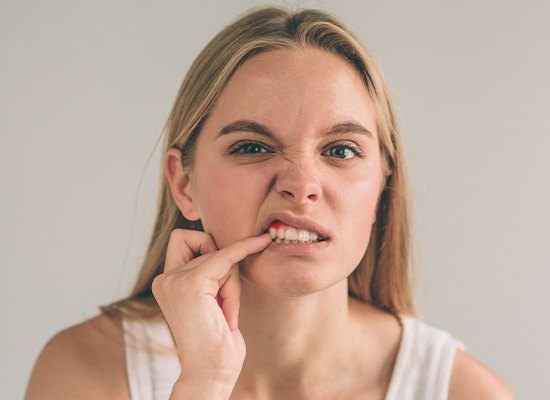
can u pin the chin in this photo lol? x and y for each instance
(293, 279)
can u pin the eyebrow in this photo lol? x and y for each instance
(246, 125)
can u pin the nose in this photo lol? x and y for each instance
(299, 182)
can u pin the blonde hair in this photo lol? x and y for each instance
(383, 277)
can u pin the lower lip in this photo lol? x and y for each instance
(298, 249)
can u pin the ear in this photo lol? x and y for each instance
(180, 184)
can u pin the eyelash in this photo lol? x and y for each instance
(356, 150)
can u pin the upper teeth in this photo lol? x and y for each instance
(293, 234)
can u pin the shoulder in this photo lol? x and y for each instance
(85, 360)
(472, 380)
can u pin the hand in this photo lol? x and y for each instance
(190, 293)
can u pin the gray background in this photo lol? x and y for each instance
(87, 87)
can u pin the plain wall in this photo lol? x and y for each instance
(87, 87)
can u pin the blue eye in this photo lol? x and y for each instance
(247, 146)
(348, 148)
(250, 146)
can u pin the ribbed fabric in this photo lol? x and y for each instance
(151, 374)
(422, 369)
(424, 362)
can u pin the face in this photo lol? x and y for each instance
(336, 179)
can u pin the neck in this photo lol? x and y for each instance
(293, 342)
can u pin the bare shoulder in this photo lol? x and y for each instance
(472, 380)
(85, 360)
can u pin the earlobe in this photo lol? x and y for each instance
(180, 184)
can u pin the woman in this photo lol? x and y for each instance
(279, 262)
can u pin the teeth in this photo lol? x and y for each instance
(292, 235)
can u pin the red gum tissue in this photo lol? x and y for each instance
(278, 225)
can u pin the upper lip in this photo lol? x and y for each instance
(296, 222)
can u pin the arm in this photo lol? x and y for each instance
(471, 380)
(85, 361)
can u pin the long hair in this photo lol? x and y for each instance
(383, 277)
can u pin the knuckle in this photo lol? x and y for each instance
(156, 283)
(183, 284)
(177, 234)
(168, 285)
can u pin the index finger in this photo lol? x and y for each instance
(221, 262)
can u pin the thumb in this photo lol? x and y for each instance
(230, 294)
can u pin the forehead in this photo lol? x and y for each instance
(293, 90)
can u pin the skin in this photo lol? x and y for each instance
(305, 338)
(299, 325)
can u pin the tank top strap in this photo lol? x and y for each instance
(424, 362)
(152, 362)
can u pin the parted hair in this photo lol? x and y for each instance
(384, 275)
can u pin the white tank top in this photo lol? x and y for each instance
(422, 369)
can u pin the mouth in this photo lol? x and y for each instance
(276, 227)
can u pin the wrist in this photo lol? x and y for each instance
(188, 387)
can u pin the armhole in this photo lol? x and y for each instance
(460, 345)
(424, 363)
(446, 365)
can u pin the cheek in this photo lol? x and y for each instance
(358, 194)
(356, 215)
(233, 185)
(228, 203)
